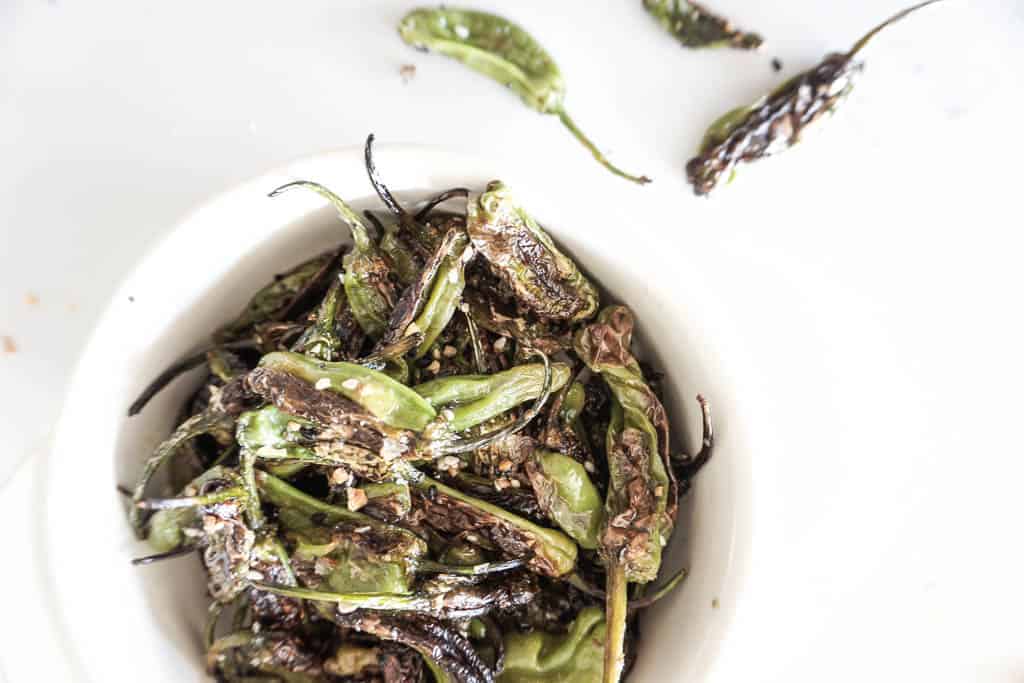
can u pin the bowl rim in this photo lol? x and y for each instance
(184, 229)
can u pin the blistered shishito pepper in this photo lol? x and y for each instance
(213, 421)
(368, 282)
(166, 529)
(277, 655)
(340, 551)
(405, 260)
(543, 336)
(695, 26)
(208, 517)
(641, 502)
(428, 304)
(446, 652)
(546, 551)
(571, 657)
(361, 433)
(340, 432)
(392, 402)
(776, 122)
(566, 494)
(442, 597)
(470, 400)
(564, 431)
(543, 278)
(502, 50)
(321, 340)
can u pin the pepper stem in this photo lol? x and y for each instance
(441, 198)
(563, 116)
(222, 496)
(378, 185)
(247, 463)
(360, 232)
(615, 624)
(888, 22)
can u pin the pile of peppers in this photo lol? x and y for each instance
(427, 454)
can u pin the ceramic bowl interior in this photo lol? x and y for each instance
(116, 618)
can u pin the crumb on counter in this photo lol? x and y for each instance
(8, 344)
(407, 72)
(32, 299)
(714, 603)
(776, 64)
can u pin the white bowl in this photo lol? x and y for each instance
(118, 621)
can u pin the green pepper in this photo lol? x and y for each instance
(306, 512)
(445, 294)
(166, 529)
(392, 402)
(549, 337)
(321, 340)
(547, 551)
(351, 569)
(473, 399)
(777, 122)
(637, 447)
(526, 258)
(404, 259)
(279, 654)
(444, 597)
(367, 278)
(695, 26)
(572, 657)
(208, 422)
(641, 502)
(565, 431)
(566, 494)
(360, 553)
(273, 435)
(447, 654)
(498, 48)
(428, 304)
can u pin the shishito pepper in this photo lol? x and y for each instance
(526, 258)
(695, 26)
(473, 399)
(547, 551)
(566, 494)
(428, 304)
(641, 502)
(776, 122)
(504, 51)
(571, 657)
(369, 285)
(392, 402)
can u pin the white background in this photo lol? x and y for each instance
(875, 273)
